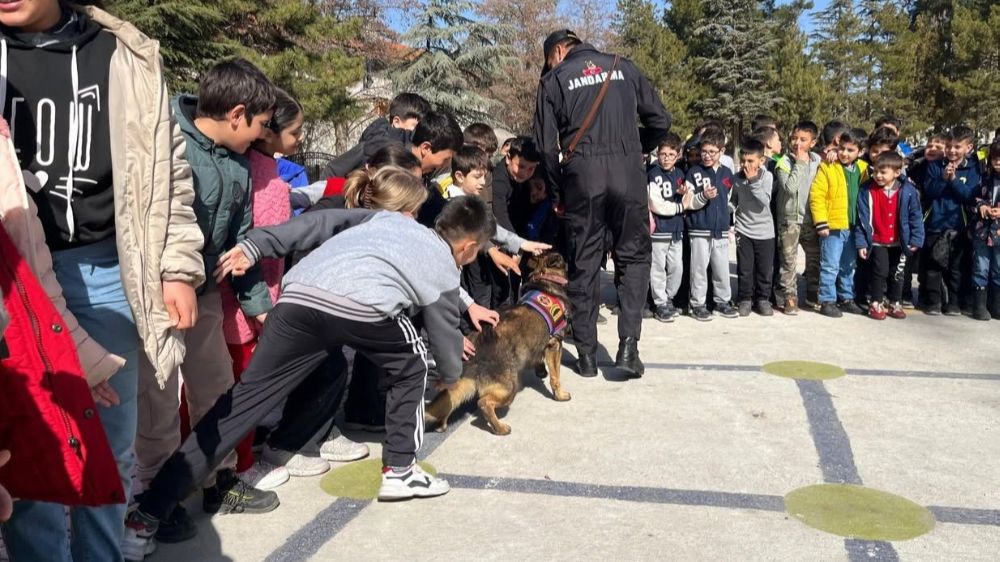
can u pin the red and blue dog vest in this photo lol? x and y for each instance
(551, 309)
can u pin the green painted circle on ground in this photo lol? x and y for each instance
(358, 480)
(858, 512)
(807, 370)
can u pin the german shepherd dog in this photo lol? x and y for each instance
(529, 334)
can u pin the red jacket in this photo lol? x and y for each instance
(48, 419)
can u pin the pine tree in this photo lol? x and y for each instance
(299, 45)
(973, 83)
(791, 72)
(905, 83)
(643, 37)
(302, 49)
(456, 59)
(836, 46)
(737, 42)
(187, 31)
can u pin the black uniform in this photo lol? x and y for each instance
(603, 186)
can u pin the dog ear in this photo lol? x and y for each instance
(534, 262)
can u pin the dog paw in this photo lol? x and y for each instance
(441, 428)
(562, 396)
(502, 429)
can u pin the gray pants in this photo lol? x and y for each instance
(707, 251)
(667, 271)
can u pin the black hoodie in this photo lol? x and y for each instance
(38, 103)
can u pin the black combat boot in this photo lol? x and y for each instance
(628, 358)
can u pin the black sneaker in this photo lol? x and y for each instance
(850, 307)
(701, 314)
(744, 308)
(764, 308)
(830, 309)
(952, 309)
(932, 310)
(664, 314)
(179, 527)
(726, 310)
(232, 495)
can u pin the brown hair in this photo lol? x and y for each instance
(389, 188)
(889, 159)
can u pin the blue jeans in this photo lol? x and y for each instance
(838, 259)
(91, 280)
(985, 263)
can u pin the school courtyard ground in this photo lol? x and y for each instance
(878, 442)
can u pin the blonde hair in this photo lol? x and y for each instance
(389, 188)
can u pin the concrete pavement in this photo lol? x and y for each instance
(692, 461)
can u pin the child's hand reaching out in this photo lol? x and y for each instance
(234, 262)
(535, 247)
(504, 262)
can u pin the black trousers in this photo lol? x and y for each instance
(311, 408)
(296, 340)
(950, 274)
(606, 193)
(477, 280)
(367, 394)
(754, 268)
(885, 273)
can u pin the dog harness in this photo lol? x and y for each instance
(551, 309)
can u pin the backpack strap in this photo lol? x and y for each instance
(592, 114)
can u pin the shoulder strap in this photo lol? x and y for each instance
(592, 114)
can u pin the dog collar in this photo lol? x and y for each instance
(551, 309)
(557, 279)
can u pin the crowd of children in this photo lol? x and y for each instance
(210, 290)
(863, 213)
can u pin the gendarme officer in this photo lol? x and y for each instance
(589, 103)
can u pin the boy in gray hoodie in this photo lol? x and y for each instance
(794, 174)
(751, 201)
(359, 288)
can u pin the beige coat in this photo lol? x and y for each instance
(157, 233)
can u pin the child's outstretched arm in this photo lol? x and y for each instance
(441, 322)
(514, 243)
(302, 233)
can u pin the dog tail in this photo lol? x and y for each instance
(447, 401)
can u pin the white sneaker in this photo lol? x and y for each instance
(412, 482)
(342, 449)
(138, 542)
(297, 464)
(264, 475)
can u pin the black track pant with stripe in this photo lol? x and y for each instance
(296, 340)
(606, 193)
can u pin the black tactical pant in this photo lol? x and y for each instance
(606, 193)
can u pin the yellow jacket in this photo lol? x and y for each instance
(828, 196)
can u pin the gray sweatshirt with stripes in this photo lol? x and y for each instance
(387, 264)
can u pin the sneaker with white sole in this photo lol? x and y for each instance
(264, 475)
(139, 541)
(297, 464)
(342, 449)
(403, 483)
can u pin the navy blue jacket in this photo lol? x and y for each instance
(711, 216)
(909, 218)
(947, 198)
(663, 186)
